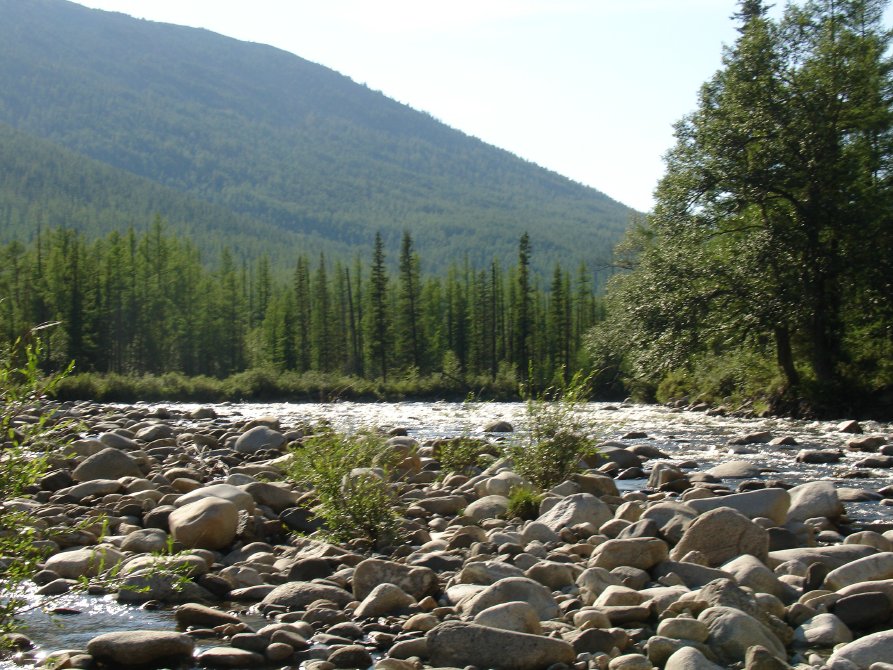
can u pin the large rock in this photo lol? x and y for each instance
(384, 599)
(643, 553)
(259, 438)
(814, 499)
(735, 470)
(770, 503)
(456, 644)
(277, 497)
(110, 463)
(297, 595)
(732, 632)
(517, 616)
(487, 572)
(416, 581)
(208, 523)
(722, 534)
(238, 497)
(488, 507)
(576, 509)
(512, 589)
(822, 630)
(86, 562)
(690, 658)
(140, 647)
(866, 650)
(876, 567)
(830, 557)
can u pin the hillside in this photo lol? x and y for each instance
(259, 149)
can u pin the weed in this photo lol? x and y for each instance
(524, 503)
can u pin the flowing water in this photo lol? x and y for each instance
(683, 436)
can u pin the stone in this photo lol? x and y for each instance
(580, 508)
(145, 541)
(259, 438)
(193, 614)
(863, 611)
(593, 581)
(457, 644)
(760, 658)
(869, 568)
(690, 658)
(849, 426)
(814, 499)
(866, 650)
(297, 595)
(86, 562)
(384, 599)
(416, 581)
(732, 632)
(140, 647)
(749, 571)
(208, 523)
(831, 557)
(770, 503)
(515, 616)
(277, 497)
(230, 657)
(643, 553)
(110, 463)
(488, 507)
(241, 499)
(597, 485)
(499, 427)
(630, 662)
(443, 505)
(552, 574)
(735, 470)
(487, 572)
(722, 534)
(684, 628)
(509, 590)
(350, 656)
(822, 630)
(672, 518)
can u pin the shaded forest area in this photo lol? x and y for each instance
(130, 305)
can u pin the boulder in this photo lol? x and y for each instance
(86, 562)
(297, 595)
(512, 589)
(735, 470)
(722, 534)
(238, 497)
(208, 523)
(488, 507)
(876, 567)
(822, 630)
(193, 614)
(866, 650)
(140, 647)
(516, 616)
(814, 499)
(690, 658)
(384, 599)
(110, 463)
(230, 657)
(643, 553)
(455, 644)
(576, 509)
(732, 632)
(416, 581)
(277, 497)
(771, 503)
(259, 438)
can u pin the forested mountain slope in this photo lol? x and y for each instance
(245, 140)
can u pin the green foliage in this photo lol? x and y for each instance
(555, 440)
(524, 503)
(771, 237)
(349, 478)
(462, 454)
(23, 424)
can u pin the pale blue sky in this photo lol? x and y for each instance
(587, 88)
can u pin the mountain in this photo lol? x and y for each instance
(110, 119)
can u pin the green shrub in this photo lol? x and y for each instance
(461, 454)
(524, 503)
(555, 440)
(349, 478)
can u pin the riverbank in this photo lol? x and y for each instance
(621, 566)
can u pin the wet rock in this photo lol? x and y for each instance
(87, 562)
(456, 644)
(499, 427)
(140, 647)
(230, 657)
(722, 534)
(208, 523)
(350, 656)
(849, 427)
(735, 470)
(193, 614)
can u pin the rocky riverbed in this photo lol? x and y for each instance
(743, 543)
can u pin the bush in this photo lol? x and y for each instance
(524, 503)
(461, 454)
(555, 441)
(349, 478)
(23, 423)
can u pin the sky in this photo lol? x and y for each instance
(587, 88)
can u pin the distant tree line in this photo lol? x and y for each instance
(145, 303)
